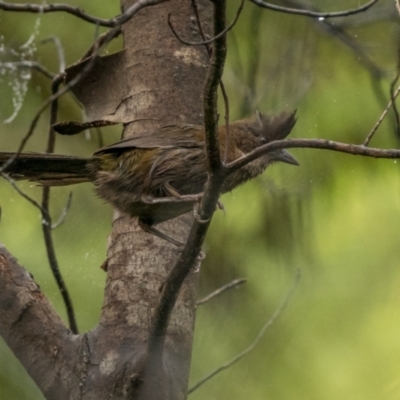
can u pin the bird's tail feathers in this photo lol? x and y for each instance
(46, 168)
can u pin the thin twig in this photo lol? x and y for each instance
(53, 262)
(208, 41)
(47, 8)
(210, 92)
(60, 51)
(77, 12)
(47, 225)
(309, 13)
(230, 285)
(22, 193)
(392, 89)
(227, 132)
(338, 32)
(64, 213)
(382, 117)
(29, 64)
(221, 84)
(278, 312)
(200, 26)
(65, 89)
(100, 41)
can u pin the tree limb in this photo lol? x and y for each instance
(324, 144)
(77, 12)
(309, 13)
(256, 341)
(34, 331)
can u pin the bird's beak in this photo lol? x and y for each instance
(286, 157)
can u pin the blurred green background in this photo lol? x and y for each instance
(335, 218)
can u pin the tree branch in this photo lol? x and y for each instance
(34, 332)
(323, 144)
(309, 13)
(55, 96)
(205, 41)
(230, 285)
(47, 225)
(256, 341)
(29, 64)
(393, 95)
(77, 12)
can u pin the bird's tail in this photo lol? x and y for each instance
(45, 168)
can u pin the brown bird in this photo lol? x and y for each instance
(155, 176)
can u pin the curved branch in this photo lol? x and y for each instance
(393, 96)
(77, 12)
(12, 182)
(110, 34)
(309, 13)
(47, 8)
(230, 285)
(47, 222)
(31, 65)
(314, 14)
(258, 338)
(209, 41)
(323, 144)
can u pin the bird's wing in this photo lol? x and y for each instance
(169, 136)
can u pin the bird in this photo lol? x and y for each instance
(159, 175)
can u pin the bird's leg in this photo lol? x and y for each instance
(149, 228)
(172, 195)
(186, 198)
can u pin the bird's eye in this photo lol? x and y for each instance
(263, 140)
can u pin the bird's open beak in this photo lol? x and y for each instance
(286, 157)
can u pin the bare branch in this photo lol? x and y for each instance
(394, 95)
(53, 262)
(47, 8)
(100, 42)
(324, 144)
(29, 64)
(221, 84)
(46, 221)
(27, 317)
(48, 226)
(309, 13)
(60, 51)
(209, 41)
(64, 213)
(210, 91)
(278, 312)
(53, 97)
(230, 285)
(77, 12)
(22, 193)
